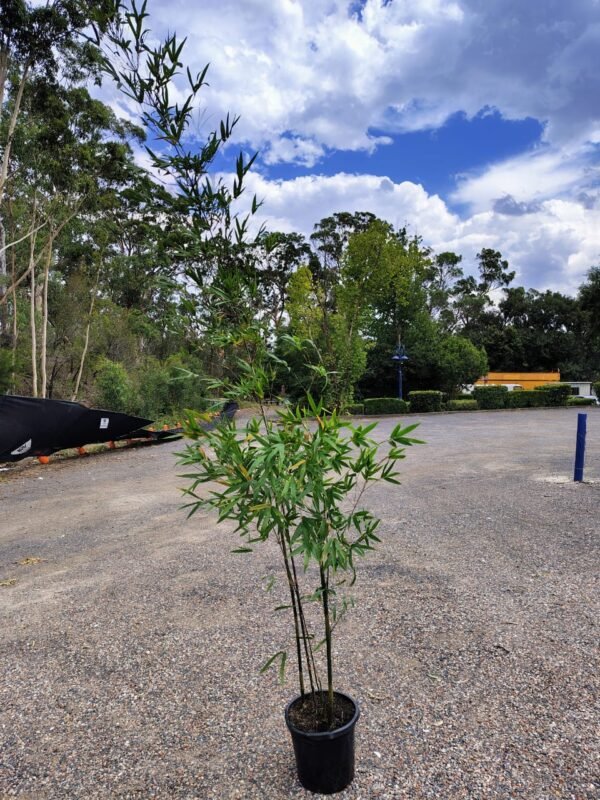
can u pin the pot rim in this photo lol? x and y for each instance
(321, 735)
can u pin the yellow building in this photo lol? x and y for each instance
(526, 380)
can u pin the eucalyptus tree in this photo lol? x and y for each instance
(68, 157)
(46, 45)
(441, 275)
(279, 256)
(330, 239)
(472, 303)
(42, 43)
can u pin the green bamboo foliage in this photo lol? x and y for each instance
(298, 478)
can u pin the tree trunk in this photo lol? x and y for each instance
(31, 233)
(87, 338)
(32, 303)
(44, 342)
(11, 129)
(15, 327)
(3, 74)
(32, 325)
(3, 285)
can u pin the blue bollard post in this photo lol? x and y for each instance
(580, 447)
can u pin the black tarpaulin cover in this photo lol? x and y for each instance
(30, 426)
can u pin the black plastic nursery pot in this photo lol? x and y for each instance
(324, 760)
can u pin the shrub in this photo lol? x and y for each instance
(425, 401)
(491, 396)
(526, 398)
(385, 405)
(581, 401)
(169, 386)
(186, 387)
(557, 394)
(596, 389)
(113, 387)
(355, 408)
(465, 404)
(153, 389)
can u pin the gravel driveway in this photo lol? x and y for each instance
(131, 639)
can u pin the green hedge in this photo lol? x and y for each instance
(385, 405)
(526, 398)
(355, 408)
(596, 388)
(465, 404)
(580, 401)
(425, 401)
(557, 394)
(491, 396)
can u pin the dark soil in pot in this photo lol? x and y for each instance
(309, 713)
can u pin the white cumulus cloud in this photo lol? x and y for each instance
(311, 76)
(324, 72)
(551, 246)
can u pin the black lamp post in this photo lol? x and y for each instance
(400, 358)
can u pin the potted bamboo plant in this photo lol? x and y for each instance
(297, 478)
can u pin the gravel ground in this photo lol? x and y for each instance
(130, 641)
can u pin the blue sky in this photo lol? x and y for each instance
(433, 158)
(475, 122)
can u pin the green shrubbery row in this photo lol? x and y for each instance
(385, 405)
(465, 404)
(551, 394)
(157, 389)
(527, 398)
(423, 402)
(483, 397)
(581, 401)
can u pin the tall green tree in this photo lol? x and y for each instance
(441, 275)
(69, 156)
(277, 257)
(45, 46)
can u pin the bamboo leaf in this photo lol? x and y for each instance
(282, 668)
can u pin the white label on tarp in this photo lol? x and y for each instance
(103, 423)
(22, 449)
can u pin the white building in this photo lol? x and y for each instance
(582, 388)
